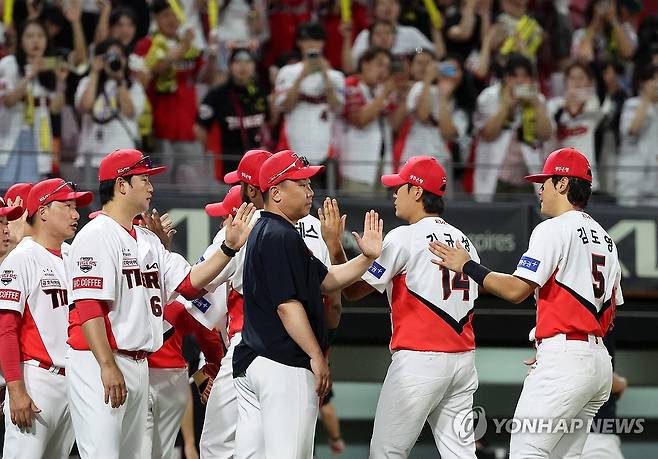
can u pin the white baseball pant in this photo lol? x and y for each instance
(600, 446)
(168, 396)
(277, 412)
(103, 432)
(218, 435)
(571, 380)
(51, 435)
(419, 387)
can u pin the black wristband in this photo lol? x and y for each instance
(229, 252)
(476, 271)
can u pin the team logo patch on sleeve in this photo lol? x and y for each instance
(377, 270)
(88, 282)
(201, 304)
(86, 264)
(7, 276)
(10, 295)
(529, 263)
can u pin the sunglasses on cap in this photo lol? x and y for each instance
(73, 186)
(299, 163)
(145, 161)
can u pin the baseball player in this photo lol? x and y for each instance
(122, 276)
(432, 375)
(279, 367)
(218, 436)
(34, 320)
(572, 267)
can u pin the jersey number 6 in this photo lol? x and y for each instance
(156, 306)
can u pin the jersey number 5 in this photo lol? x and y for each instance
(460, 281)
(598, 261)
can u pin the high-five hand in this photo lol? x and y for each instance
(373, 234)
(452, 258)
(238, 228)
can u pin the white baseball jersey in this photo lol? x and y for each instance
(35, 284)
(136, 276)
(213, 308)
(309, 125)
(574, 262)
(431, 308)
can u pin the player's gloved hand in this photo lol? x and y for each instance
(452, 258)
(373, 234)
(114, 385)
(238, 228)
(332, 224)
(320, 368)
(21, 407)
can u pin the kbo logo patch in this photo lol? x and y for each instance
(86, 264)
(7, 276)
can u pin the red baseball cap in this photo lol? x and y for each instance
(249, 168)
(56, 189)
(124, 162)
(285, 165)
(229, 206)
(11, 212)
(21, 190)
(567, 162)
(422, 171)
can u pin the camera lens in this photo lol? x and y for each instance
(114, 62)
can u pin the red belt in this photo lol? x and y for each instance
(60, 371)
(574, 336)
(135, 355)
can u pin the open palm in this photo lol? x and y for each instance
(373, 234)
(238, 228)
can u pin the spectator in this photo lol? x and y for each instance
(637, 174)
(511, 121)
(576, 115)
(310, 93)
(381, 34)
(239, 107)
(368, 137)
(340, 35)
(440, 105)
(284, 18)
(606, 36)
(32, 88)
(407, 39)
(464, 21)
(240, 24)
(612, 94)
(175, 66)
(109, 101)
(523, 33)
(118, 23)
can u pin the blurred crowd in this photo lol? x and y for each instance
(489, 87)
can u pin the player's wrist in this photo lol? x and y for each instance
(476, 271)
(228, 250)
(16, 387)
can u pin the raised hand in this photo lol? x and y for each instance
(373, 234)
(17, 227)
(238, 227)
(160, 225)
(73, 11)
(332, 224)
(452, 258)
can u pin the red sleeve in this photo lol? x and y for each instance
(208, 340)
(189, 292)
(10, 353)
(90, 309)
(354, 99)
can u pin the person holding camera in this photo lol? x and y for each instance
(310, 93)
(32, 88)
(440, 104)
(576, 115)
(368, 136)
(511, 122)
(109, 102)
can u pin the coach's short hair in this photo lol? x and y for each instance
(106, 189)
(579, 190)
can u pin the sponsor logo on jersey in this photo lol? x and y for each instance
(10, 295)
(529, 263)
(7, 276)
(88, 282)
(152, 266)
(201, 304)
(86, 264)
(130, 263)
(377, 270)
(50, 283)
